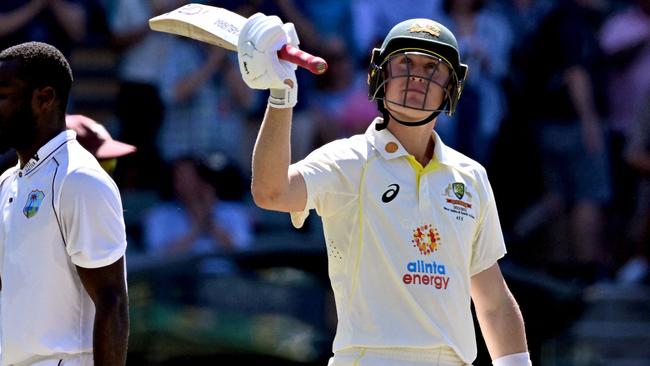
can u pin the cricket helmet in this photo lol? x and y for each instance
(421, 36)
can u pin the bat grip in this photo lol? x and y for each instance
(303, 59)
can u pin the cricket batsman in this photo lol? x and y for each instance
(411, 226)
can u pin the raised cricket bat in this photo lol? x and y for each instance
(221, 27)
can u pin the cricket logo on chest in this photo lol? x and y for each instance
(458, 201)
(34, 200)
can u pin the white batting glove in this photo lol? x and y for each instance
(259, 40)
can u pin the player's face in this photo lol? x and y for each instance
(417, 85)
(17, 120)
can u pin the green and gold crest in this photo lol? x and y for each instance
(459, 190)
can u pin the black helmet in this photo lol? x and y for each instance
(422, 36)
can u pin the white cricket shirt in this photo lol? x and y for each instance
(403, 240)
(60, 211)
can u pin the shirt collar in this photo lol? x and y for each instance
(390, 148)
(385, 142)
(47, 151)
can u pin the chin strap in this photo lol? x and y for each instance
(387, 115)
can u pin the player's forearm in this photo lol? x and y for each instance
(503, 328)
(111, 330)
(271, 157)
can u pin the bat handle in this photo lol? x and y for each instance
(303, 59)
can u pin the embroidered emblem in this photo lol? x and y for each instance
(34, 201)
(458, 201)
(459, 189)
(430, 28)
(459, 192)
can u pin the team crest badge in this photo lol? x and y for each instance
(457, 195)
(426, 238)
(430, 28)
(34, 201)
(459, 190)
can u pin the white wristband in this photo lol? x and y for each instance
(283, 98)
(515, 359)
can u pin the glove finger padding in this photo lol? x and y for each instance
(259, 40)
(292, 36)
(286, 71)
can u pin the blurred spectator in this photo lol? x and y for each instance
(484, 37)
(637, 155)
(139, 108)
(61, 23)
(372, 19)
(339, 104)
(95, 138)
(571, 137)
(204, 214)
(625, 39)
(201, 215)
(514, 144)
(319, 21)
(204, 106)
(524, 16)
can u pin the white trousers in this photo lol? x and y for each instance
(441, 356)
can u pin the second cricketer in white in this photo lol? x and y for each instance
(58, 212)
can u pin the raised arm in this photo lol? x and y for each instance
(275, 186)
(500, 318)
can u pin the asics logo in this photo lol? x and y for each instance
(390, 194)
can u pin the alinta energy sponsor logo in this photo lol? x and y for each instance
(426, 239)
(426, 273)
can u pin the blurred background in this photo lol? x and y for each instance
(556, 106)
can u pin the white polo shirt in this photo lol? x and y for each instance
(60, 211)
(403, 240)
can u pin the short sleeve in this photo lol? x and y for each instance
(489, 245)
(92, 221)
(331, 173)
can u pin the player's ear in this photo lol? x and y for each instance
(44, 98)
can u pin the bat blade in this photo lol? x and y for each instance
(209, 24)
(221, 27)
